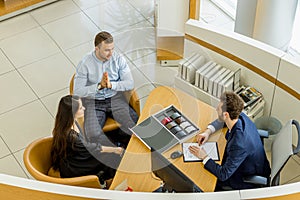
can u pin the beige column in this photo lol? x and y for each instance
(269, 21)
(274, 22)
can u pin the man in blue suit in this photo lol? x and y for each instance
(244, 153)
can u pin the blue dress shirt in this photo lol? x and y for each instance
(89, 73)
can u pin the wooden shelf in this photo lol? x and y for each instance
(167, 55)
(11, 8)
(196, 92)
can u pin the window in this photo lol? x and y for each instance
(295, 41)
(228, 6)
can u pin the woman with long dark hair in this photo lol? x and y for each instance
(70, 152)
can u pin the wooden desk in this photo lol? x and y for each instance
(136, 162)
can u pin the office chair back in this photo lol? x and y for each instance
(282, 150)
(37, 160)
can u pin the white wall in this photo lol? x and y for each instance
(289, 72)
(171, 15)
(286, 106)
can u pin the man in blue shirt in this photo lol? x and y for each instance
(244, 153)
(101, 78)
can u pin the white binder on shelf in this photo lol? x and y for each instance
(237, 76)
(221, 84)
(191, 69)
(223, 87)
(197, 75)
(209, 74)
(187, 63)
(181, 63)
(180, 66)
(213, 78)
(228, 86)
(218, 80)
(202, 74)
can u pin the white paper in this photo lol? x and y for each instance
(211, 149)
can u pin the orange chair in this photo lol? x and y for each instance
(37, 160)
(111, 124)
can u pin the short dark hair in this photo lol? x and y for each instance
(103, 36)
(232, 103)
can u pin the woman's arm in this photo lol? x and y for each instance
(116, 150)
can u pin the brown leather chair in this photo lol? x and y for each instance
(111, 124)
(37, 160)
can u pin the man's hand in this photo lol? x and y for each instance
(105, 83)
(203, 137)
(199, 152)
(108, 83)
(102, 83)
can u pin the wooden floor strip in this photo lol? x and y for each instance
(9, 6)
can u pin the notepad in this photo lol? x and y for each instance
(211, 149)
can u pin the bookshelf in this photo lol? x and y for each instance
(205, 76)
(253, 113)
(195, 91)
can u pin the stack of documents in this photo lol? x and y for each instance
(216, 79)
(188, 67)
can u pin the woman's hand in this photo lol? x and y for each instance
(119, 150)
(116, 150)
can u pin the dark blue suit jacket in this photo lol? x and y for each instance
(244, 155)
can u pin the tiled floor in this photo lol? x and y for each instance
(39, 51)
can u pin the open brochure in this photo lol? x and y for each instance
(211, 149)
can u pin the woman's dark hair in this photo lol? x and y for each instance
(232, 103)
(103, 36)
(64, 120)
